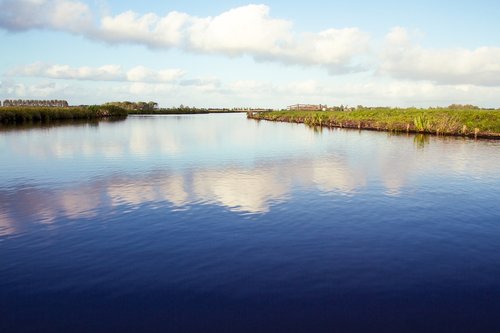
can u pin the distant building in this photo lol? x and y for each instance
(308, 107)
(47, 103)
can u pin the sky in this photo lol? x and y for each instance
(268, 54)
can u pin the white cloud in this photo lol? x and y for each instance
(339, 50)
(242, 30)
(102, 73)
(402, 58)
(149, 29)
(246, 30)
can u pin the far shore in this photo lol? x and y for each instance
(477, 123)
(457, 121)
(20, 115)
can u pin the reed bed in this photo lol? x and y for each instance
(441, 121)
(33, 114)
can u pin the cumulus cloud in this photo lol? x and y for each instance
(149, 29)
(339, 50)
(250, 30)
(102, 73)
(402, 58)
(246, 30)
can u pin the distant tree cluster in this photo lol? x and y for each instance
(463, 107)
(135, 106)
(25, 102)
(342, 108)
(152, 108)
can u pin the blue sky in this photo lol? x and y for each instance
(251, 54)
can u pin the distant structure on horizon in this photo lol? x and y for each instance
(308, 107)
(24, 102)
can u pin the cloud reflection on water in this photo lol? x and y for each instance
(239, 189)
(152, 188)
(160, 162)
(6, 225)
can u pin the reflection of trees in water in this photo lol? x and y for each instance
(317, 129)
(36, 125)
(420, 140)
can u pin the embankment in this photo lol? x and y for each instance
(17, 115)
(440, 121)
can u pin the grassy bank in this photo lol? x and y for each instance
(32, 114)
(441, 121)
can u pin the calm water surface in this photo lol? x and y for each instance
(222, 224)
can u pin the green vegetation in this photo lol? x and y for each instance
(40, 114)
(135, 107)
(151, 108)
(34, 114)
(454, 120)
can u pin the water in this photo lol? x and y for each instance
(218, 223)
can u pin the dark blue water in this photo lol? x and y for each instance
(216, 223)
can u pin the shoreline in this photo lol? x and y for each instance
(444, 123)
(21, 115)
(26, 115)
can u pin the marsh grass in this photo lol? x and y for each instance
(422, 124)
(26, 114)
(445, 121)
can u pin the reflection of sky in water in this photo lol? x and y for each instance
(226, 160)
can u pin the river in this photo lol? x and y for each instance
(217, 223)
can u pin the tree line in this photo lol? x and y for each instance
(30, 102)
(135, 106)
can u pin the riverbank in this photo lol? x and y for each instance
(440, 121)
(16, 115)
